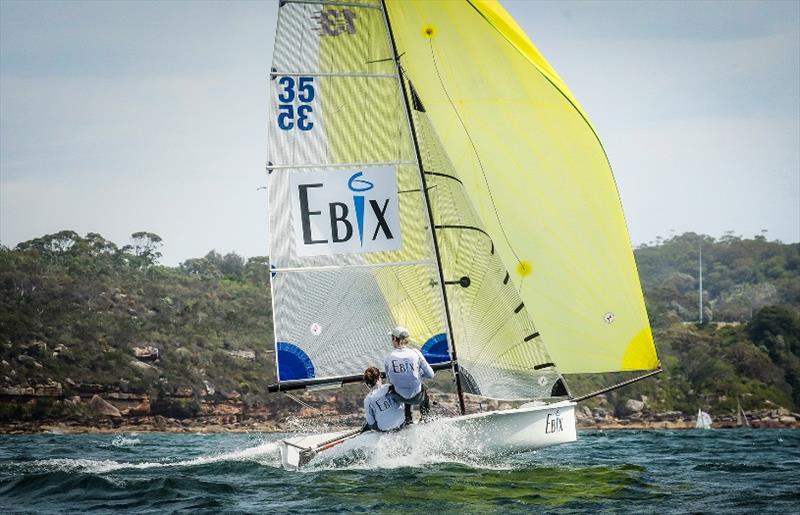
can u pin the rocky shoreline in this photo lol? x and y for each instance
(171, 425)
(104, 417)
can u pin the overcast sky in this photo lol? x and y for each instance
(117, 117)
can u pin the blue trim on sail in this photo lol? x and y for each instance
(293, 363)
(435, 349)
(359, 201)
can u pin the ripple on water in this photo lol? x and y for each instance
(738, 468)
(604, 471)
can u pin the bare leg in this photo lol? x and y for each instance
(425, 405)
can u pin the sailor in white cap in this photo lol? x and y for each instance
(406, 367)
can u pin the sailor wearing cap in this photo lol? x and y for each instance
(406, 367)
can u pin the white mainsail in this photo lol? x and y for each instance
(351, 253)
(352, 241)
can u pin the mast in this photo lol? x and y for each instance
(426, 198)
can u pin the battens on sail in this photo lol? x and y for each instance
(351, 254)
(500, 354)
(536, 177)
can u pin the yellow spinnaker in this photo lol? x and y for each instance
(537, 175)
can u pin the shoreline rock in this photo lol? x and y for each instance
(235, 423)
(101, 407)
(115, 412)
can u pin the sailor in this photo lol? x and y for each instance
(382, 411)
(405, 368)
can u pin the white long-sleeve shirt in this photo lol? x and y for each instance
(405, 368)
(381, 409)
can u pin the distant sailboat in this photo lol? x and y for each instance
(741, 418)
(703, 420)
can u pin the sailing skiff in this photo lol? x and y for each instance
(429, 168)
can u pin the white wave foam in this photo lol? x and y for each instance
(265, 454)
(122, 441)
(421, 445)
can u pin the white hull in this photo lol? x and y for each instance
(508, 431)
(521, 429)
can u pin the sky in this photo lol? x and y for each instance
(118, 117)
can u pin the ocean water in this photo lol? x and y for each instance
(729, 471)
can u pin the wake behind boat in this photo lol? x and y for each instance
(428, 168)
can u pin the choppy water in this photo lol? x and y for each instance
(624, 471)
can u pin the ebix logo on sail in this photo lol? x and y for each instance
(345, 211)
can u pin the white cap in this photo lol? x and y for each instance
(399, 332)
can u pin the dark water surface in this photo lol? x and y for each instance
(730, 471)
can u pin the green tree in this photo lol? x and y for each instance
(146, 247)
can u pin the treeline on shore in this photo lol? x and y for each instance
(81, 316)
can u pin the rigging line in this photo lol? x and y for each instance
(475, 150)
(618, 385)
(303, 404)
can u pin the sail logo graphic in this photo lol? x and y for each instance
(358, 185)
(345, 211)
(553, 423)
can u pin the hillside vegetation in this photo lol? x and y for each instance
(73, 308)
(748, 345)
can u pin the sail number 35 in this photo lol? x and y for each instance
(289, 114)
